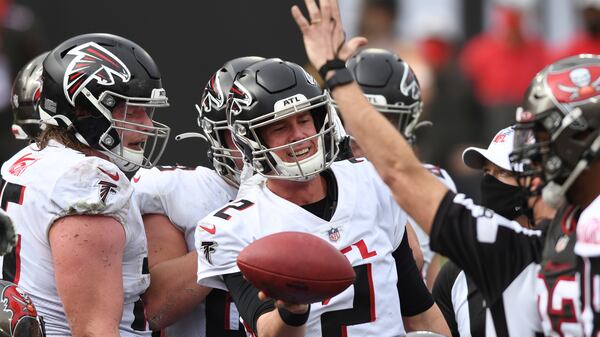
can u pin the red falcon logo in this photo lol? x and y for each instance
(239, 98)
(215, 98)
(92, 62)
(106, 188)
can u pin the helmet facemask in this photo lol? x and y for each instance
(405, 118)
(223, 158)
(556, 148)
(268, 163)
(153, 137)
(107, 133)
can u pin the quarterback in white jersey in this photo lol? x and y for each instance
(283, 123)
(172, 200)
(81, 251)
(367, 227)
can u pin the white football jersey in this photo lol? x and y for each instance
(43, 186)
(423, 238)
(186, 195)
(367, 227)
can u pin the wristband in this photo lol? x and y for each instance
(340, 77)
(331, 65)
(292, 319)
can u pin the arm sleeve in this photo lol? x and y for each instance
(414, 296)
(491, 250)
(245, 296)
(442, 294)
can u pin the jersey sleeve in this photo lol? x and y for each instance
(414, 296)
(218, 243)
(91, 187)
(442, 294)
(146, 184)
(491, 250)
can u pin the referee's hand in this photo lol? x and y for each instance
(8, 238)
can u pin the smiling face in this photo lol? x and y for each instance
(290, 130)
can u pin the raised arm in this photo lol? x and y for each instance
(416, 190)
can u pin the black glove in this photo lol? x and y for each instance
(8, 238)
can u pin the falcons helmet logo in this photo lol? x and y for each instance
(92, 62)
(239, 98)
(215, 98)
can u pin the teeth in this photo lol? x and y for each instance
(301, 152)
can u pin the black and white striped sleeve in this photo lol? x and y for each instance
(492, 250)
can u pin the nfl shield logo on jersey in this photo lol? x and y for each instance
(334, 233)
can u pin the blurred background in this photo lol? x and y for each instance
(473, 58)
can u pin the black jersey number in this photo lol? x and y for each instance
(11, 265)
(334, 323)
(239, 205)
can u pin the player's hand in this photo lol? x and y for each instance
(323, 35)
(8, 238)
(291, 307)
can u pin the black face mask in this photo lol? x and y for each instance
(504, 199)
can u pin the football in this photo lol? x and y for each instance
(296, 267)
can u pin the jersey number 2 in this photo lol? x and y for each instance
(334, 323)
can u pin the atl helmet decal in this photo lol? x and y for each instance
(240, 98)
(17, 305)
(409, 85)
(215, 98)
(575, 85)
(92, 62)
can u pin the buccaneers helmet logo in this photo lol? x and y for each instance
(92, 62)
(17, 305)
(575, 85)
(214, 97)
(239, 98)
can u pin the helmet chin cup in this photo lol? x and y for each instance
(129, 161)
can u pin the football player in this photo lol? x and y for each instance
(283, 123)
(25, 97)
(558, 145)
(172, 200)
(457, 295)
(81, 252)
(473, 236)
(392, 87)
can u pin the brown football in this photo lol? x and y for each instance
(296, 267)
